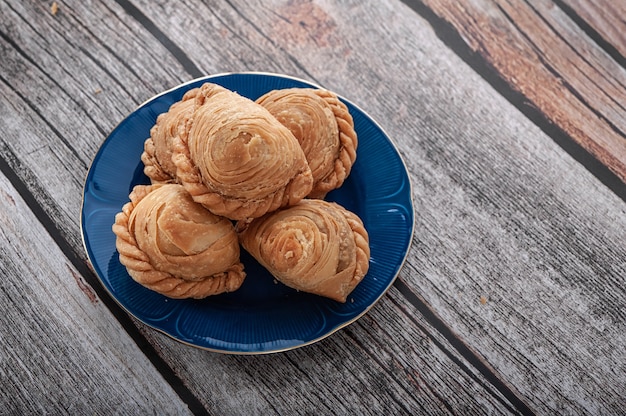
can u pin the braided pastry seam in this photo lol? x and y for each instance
(361, 240)
(348, 142)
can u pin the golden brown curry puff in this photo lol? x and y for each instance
(324, 128)
(315, 246)
(157, 154)
(174, 246)
(236, 159)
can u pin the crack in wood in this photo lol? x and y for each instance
(82, 285)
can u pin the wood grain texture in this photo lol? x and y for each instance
(540, 52)
(606, 18)
(518, 250)
(391, 361)
(61, 351)
(62, 92)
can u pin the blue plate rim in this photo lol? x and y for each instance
(324, 335)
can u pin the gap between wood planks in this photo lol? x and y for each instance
(446, 32)
(89, 276)
(473, 358)
(611, 50)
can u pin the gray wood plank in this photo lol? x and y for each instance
(61, 351)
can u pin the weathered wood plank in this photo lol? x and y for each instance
(501, 214)
(61, 351)
(60, 76)
(542, 54)
(391, 361)
(501, 211)
(606, 18)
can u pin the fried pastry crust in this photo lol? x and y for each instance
(157, 154)
(324, 128)
(236, 159)
(174, 246)
(315, 246)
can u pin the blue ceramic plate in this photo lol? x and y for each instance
(262, 316)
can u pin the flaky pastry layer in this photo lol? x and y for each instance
(315, 246)
(324, 128)
(157, 154)
(174, 246)
(236, 159)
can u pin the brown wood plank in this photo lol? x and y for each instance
(605, 17)
(563, 73)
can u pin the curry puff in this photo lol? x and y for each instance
(157, 154)
(236, 159)
(174, 246)
(315, 246)
(324, 128)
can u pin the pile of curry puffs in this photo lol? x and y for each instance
(228, 172)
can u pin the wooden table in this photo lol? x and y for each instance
(511, 118)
